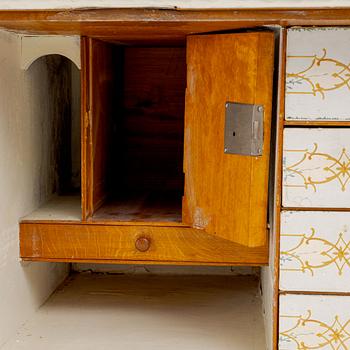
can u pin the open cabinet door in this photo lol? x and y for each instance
(227, 194)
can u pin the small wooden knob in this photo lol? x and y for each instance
(142, 244)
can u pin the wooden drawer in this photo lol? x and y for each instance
(317, 74)
(314, 322)
(77, 242)
(316, 168)
(315, 251)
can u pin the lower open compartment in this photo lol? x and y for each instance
(97, 311)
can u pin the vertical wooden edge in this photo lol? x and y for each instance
(89, 127)
(278, 181)
(101, 74)
(186, 215)
(91, 57)
(85, 109)
(265, 69)
(82, 128)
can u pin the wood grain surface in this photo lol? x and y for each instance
(159, 25)
(226, 194)
(103, 73)
(101, 243)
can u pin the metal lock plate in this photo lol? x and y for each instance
(244, 129)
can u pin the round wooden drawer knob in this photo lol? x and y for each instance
(142, 244)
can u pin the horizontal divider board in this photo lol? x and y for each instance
(71, 242)
(312, 292)
(307, 123)
(314, 209)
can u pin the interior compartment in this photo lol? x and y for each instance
(58, 180)
(148, 312)
(144, 165)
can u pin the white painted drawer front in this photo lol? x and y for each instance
(316, 167)
(318, 74)
(315, 251)
(314, 322)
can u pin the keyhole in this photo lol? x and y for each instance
(234, 133)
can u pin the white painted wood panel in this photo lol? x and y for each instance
(35, 46)
(24, 180)
(318, 74)
(315, 251)
(316, 167)
(67, 208)
(314, 322)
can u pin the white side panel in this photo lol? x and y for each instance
(316, 168)
(314, 322)
(318, 74)
(315, 251)
(23, 156)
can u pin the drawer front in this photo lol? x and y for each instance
(314, 322)
(84, 242)
(315, 251)
(318, 74)
(316, 167)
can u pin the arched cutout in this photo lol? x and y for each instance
(53, 89)
(34, 47)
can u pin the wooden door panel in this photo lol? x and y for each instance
(101, 96)
(225, 194)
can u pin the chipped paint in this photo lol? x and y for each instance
(200, 220)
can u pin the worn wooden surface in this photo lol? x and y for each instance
(138, 24)
(226, 194)
(101, 243)
(152, 206)
(85, 127)
(103, 69)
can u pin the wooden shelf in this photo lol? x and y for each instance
(59, 208)
(144, 207)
